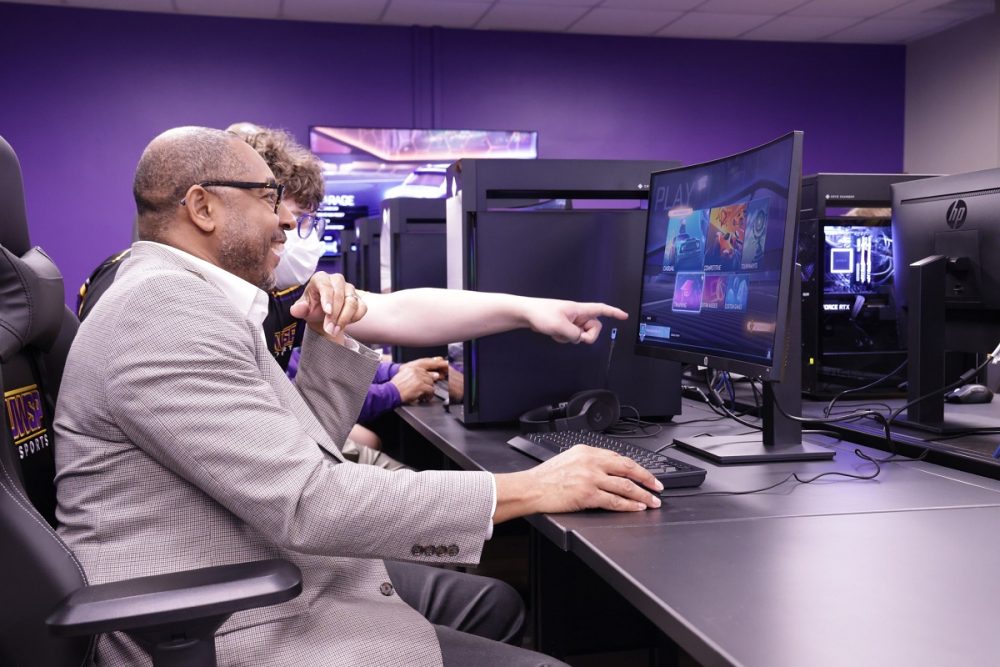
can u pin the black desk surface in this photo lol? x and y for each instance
(900, 570)
(971, 451)
(904, 485)
(881, 588)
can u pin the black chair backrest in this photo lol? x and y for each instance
(36, 569)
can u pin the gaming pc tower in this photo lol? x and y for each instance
(561, 229)
(413, 245)
(849, 332)
(361, 254)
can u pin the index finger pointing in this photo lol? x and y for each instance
(604, 310)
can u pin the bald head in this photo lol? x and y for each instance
(172, 163)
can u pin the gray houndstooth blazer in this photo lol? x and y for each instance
(181, 444)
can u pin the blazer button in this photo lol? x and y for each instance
(429, 550)
(441, 550)
(417, 550)
(385, 588)
(453, 550)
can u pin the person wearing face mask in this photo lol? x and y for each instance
(301, 174)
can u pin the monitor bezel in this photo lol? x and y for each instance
(775, 370)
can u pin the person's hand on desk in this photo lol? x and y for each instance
(415, 379)
(581, 478)
(329, 304)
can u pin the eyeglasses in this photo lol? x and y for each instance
(275, 199)
(307, 223)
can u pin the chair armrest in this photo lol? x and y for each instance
(176, 597)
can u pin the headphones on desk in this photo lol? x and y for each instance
(593, 410)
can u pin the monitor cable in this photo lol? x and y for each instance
(790, 476)
(722, 404)
(886, 422)
(829, 406)
(611, 356)
(633, 427)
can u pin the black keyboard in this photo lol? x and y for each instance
(672, 473)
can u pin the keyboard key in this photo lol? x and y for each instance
(672, 473)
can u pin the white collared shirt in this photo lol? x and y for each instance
(248, 298)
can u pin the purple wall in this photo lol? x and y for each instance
(84, 91)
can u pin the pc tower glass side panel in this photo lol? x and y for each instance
(845, 247)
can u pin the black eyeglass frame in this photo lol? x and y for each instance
(315, 223)
(245, 185)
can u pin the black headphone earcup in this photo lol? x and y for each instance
(594, 410)
(599, 407)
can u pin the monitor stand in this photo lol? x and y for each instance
(781, 437)
(926, 338)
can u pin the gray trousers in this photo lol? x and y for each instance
(479, 620)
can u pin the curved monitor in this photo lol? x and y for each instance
(720, 253)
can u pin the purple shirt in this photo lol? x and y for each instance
(382, 394)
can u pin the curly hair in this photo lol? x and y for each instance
(300, 171)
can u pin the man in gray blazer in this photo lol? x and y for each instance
(182, 444)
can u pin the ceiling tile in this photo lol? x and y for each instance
(712, 26)
(337, 11)
(789, 20)
(891, 31)
(445, 13)
(162, 6)
(800, 28)
(667, 5)
(558, 3)
(943, 8)
(623, 21)
(855, 8)
(258, 9)
(547, 18)
(772, 7)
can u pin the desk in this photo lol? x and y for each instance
(885, 589)
(893, 571)
(972, 452)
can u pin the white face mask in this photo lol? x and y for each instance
(299, 260)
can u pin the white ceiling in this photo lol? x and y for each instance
(854, 21)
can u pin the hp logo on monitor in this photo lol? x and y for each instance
(956, 214)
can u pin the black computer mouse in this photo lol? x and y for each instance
(970, 393)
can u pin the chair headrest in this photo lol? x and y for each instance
(13, 221)
(31, 291)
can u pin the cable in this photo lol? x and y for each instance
(729, 413)
(705, 399)
(966, 376)
(851, 416)
(611, 354)
(627, 427)
(794, 475)
(757, 399)
(696, 421)
(829, 406)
